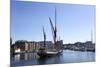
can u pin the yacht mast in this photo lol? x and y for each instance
(91, 36)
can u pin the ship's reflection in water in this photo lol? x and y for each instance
(66, 57)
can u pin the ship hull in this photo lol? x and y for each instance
(48, 54)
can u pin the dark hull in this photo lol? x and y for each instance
(42, 54)
(45, 54)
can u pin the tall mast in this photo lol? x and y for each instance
(52, 29)
(55, 17)
(44, 34)
(55, 32)
(91, 36)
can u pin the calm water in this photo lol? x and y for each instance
(66, 57)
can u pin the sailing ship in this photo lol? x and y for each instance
(57, 46)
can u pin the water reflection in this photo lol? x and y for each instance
(66, 57)
(17, 57)
(25, 56)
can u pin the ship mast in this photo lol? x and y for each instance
(44, 34)
(91, 36)
(54, 30)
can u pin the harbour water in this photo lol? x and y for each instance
(67, 56)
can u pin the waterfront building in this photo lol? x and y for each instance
(25, 46)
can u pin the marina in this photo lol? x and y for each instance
(51, 33)
(67, 56)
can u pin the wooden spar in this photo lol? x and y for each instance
(44, 34)
(91, 36)
(54, 30)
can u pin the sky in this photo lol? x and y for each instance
(74, 22)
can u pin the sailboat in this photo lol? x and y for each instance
(57, 44)
(43, 51)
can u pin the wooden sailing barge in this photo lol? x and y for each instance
(57, 46)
